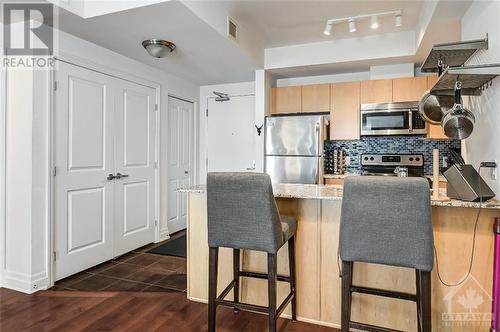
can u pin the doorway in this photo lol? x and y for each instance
(105, 176)
(180, 160)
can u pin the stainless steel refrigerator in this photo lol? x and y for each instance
(294, 148)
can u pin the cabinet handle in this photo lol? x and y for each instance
(110, 177)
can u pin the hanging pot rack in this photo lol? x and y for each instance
(449, 59)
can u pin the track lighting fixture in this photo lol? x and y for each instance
(352, 20)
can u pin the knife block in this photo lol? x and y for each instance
(465, 183)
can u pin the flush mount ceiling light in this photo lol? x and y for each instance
(158, 48)
(351, 20)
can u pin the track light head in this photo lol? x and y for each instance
(352, 25)
(328, 29)
(398, 20)
(374, 22)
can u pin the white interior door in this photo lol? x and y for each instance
(135, 167)
(231, 135)
(83, 228)
(180, 160)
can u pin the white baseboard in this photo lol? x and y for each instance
(164, 234)
(25, 283)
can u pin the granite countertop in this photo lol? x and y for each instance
(334, 193)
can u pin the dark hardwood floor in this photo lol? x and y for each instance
(124, 311)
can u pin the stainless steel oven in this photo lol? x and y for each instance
(392, 119)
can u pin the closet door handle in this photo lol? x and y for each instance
(119, 176)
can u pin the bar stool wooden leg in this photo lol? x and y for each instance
(425, 284)
(347, 268)
(212, 287)
(418, 293)
(272, 278)
(236, 276)
(291, 263)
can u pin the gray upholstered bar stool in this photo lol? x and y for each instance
(242, 214)
(387, 221)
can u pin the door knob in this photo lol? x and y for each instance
(110, 177)
(119, 176)
(186, 172)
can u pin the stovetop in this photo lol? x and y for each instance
(385, 164)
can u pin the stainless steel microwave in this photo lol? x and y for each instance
(392, 119)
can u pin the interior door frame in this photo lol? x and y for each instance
(72, 60)
(195, 152)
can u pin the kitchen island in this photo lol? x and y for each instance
(317, 210)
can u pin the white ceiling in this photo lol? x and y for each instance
(281, 23)
(205, 56)
(202, 55)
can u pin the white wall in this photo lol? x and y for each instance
(320, 79)
(28, 153)
(2, 160)
(201, 126)
(483, 145)
(390, 45)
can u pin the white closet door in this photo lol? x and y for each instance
(180, 160)
(135, 159)
(84, 204)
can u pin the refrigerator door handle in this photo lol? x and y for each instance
(318, 151)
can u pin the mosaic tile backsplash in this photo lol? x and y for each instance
(392, 145)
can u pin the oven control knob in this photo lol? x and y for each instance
(371, 158)
(366, 158)
(411, 158)
(418, 159)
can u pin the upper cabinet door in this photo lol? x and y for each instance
(316, 98)
(408, 88)
(376, 91)
(434, 131)
(286, 100)
(345, 114)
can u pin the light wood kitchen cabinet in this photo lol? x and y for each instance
(408, 88)
(434, 131)
(316, 98)
(345, 114)
(286, 100)
(376, 91)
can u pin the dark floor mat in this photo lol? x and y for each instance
(175, 247)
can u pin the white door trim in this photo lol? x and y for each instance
(165, 234)
(116, 74)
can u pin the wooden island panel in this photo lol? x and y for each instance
(318, 281)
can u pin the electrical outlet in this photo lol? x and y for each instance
(348, 161)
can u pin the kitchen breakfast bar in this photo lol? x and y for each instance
(317, 210)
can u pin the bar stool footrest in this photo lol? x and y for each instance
(372, 328)
(259, 275)
(384, 293)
